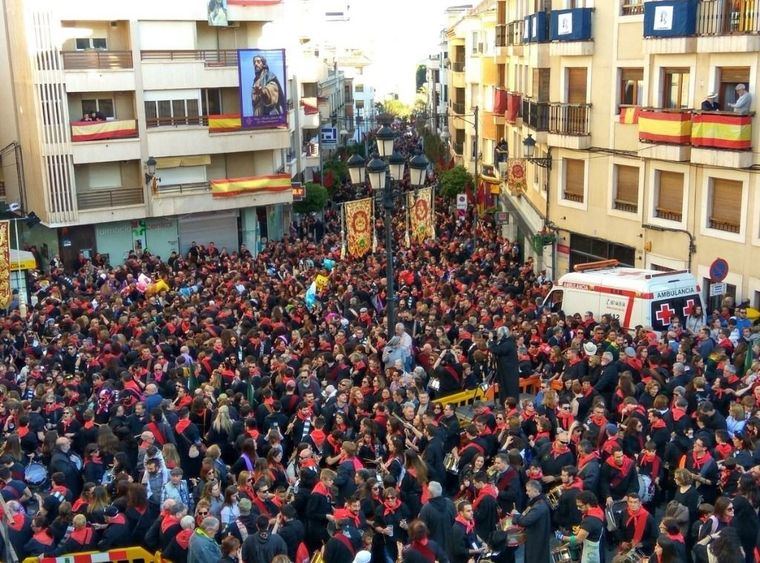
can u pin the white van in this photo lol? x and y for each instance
(635, 297)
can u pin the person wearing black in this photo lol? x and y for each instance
(433, 454)
(589, 533)
(263, 546)
(421, 548)
(61, 462)
(567, 515)
(503, 347)
(438, 514)
(618, 476)
(636, 528)
(464, 543)
(536, 520)
(291, 530)
(319, 510)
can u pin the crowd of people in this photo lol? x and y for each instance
(212, 416)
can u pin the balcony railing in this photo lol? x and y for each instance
(210, 57)
(117, 197)
(625, 206)
(723, 225)
(457, 66)
(175, 121)
(632, 8)
(179, 189)
(570, 196)
(458, 107)
(535, 114)
(569, 119)
(515, 31)
(458, 148)
(97, 60)
(702, 129)
(501, 35)
(727, 17)
(668, 214)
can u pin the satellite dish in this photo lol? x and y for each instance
(14, 207)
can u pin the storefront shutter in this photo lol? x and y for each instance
(726, 205)
(574, 178)
(627, 184)
(670, 193)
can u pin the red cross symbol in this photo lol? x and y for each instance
(688, 308)
(664, 314)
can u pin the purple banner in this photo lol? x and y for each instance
(263, 101)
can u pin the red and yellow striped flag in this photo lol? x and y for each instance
(629, 115)
(230, 187)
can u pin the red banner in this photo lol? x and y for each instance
(513, 106)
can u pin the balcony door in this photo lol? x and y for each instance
(575, 113)
(729, 78)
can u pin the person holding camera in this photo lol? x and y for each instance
(502, 346)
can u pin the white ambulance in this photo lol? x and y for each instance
(633, 296)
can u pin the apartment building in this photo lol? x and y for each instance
(612, 91)
(166, 84)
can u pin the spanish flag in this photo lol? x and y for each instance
(722, 131)
(665, 127)
(629, 115)
(230, 187)
(223, 123)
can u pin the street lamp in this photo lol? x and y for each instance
(384, 176)
(30, 219)
(529, 152)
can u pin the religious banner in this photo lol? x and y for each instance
(263, 88)
(5, 264)
(359, 226)
(230, 187)
(516, 176)
(420, 204)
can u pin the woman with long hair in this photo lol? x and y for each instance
(230, 511)
(220, 432)
(745, 520)
(277, 476)
(245, 485)
(413, 487)
(723, 514)
(171, 456)
(137, 512)
(466, 488)
(394, 462)
(212, 494)
(214, 455)
(665, 551)
(97, 507)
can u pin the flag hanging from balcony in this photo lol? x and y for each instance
(103, 130)
(665, 127)
(230, 187)
(629, 115)
(516, 176)
(5, 264)
(223, 123)
(721, 131)
(420, 205)
(359, 224)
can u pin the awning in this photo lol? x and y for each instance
(177, 161)
(230, 187)
(22, 260)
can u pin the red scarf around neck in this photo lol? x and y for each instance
(559, 449)
(487, 490)
(584, 459)
(576, 484)
(182, 425)
(469, 526)
(639, 520)
(421, 547)
(596, 512)
(321, 489)
(650, 458)
(391, 505)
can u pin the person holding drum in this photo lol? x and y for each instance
(589, 533)
(536, 519)
(636, 530)
(465, 546)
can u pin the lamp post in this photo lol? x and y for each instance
(529, 151)
(385, 170)
(476, 157)
(31, 219)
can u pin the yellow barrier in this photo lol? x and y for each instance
(122, 555)
(467, 397)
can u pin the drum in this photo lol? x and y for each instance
(450, 463)
(36, 475)
(76, 460)
(552, 497)
(515, 536)
(561, 554)
(633, 556)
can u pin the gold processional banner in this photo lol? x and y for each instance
(420, 204)
(5, 264)
(359, 225)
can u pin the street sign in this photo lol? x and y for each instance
(718, 270)
(717, 289)
(501, 218)
(462, 201)
(328, 137)
(298, 191)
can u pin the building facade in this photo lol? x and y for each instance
(612, 92)
(164, 83)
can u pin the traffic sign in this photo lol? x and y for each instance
(717, 289)
(718, 270)
(328, 137)
(298, 191)
(462, 201)
(501, 217)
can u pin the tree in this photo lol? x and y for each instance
(435, 149)
(420, 76)
(454, 181)
(397, 108)
(314, 200)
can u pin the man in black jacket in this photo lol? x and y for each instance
(438, 514)
(117, 534)
(433, 454)
(291, 530)
(60, 461)
(507, 373)
(262, 546)
(536, 519)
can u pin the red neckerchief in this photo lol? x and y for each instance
(23, 431)
(308, 463)
(17, 523)
(261, 505)
(182, 425)
(724, 450)
(43, 537)
(390, 506)
(609, 444)
(598, 420)
(659, 423)
(699, 463)
(639, 520)
(168, 522)
(83, 536)
(321, 489)
(469, 526)
(650, 458)
(421, 547)
(540, 435)
(303, 417)
(253, 434)
(557, 451)
(486, 490)
(677, 413)
(596, 512)
(59, 489)
(576, 484)
(565, 419)
(89, 424)
(677, 537)
(535, 473)
(525, 416)
(346, 514)
(183, 538)
(622, 471)
(334, 442)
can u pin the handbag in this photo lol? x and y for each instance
(193, 452)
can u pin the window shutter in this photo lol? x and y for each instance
(574, 177)
(627, 184)
(670, 195)
(734, 74)
(576, 85)
(726, 205)
(631, 74)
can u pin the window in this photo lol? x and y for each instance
(587, 249)
(104, 175)
(576, 85)
(359, 104)
(574, 179)
(359, 88)
(675, 93)
(541, 80)
(89, 43)
(725, 205)
(309, 89)
(631, 86)
(100, 105)
(171, 112)
(729, 78)
(669, 196)
(626, 189)
(631, 7)
(211, 101)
